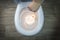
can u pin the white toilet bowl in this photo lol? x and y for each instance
(17, 19)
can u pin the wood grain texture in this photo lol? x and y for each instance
(50, 30)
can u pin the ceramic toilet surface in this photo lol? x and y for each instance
(27, 22)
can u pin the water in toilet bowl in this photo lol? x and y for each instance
(28, 19)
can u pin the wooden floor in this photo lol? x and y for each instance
(50, 30)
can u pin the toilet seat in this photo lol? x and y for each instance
(22, 31)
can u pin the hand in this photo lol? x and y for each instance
(34, 5)
(37, 1)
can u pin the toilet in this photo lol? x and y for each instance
(28, 23)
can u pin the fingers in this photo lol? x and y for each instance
(37, 1)
(34, 6)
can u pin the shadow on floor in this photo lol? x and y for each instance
(2, 27)
(56, 34)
